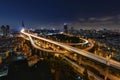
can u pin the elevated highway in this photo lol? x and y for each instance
(40, 48)
(100, 59)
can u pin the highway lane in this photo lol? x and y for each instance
(102, 71)
(42, 48)
(103, 60)
(32, 42)
(85, 42)
(91, 45)
(81, 69)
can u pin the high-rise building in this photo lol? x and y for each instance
(65, 28)
(71, 30)
(5, 30)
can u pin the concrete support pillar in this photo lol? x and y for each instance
(40, 54)
(35, 50)
(106, 72)
(79, 60)
(0, 59)
(22, 43)
(43, 54)
(107, 66)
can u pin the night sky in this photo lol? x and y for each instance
(40, 12)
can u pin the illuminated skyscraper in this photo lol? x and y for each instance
(65, 28)
(5, 30)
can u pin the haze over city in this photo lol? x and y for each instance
(60, 40)
(53, 13)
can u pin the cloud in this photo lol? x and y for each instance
(81, 19)
(105, 18)
(99, 19)
(92, 19)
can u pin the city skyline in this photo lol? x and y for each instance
(47, 13)
(59, 40)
